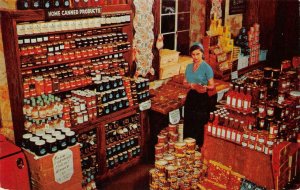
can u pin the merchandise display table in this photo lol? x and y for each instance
(255, 166)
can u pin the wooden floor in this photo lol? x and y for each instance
(135, 178)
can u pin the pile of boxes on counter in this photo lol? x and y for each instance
(218, 46)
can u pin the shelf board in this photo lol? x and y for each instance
(70, 61)
(91, 124)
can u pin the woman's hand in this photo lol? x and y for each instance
(199, 88)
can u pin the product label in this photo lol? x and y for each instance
(233, 102)
(233, 133)
(228, 134)
(174, 116)
(218, 132)
(213, 132)
(239, 103)
(63, 166)
(245, 104)
(228, 100)
(145, 105)
(72, 13)
(223, 133)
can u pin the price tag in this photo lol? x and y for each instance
(63, 165)
(174, 116)
(234, 75)
(145, 105)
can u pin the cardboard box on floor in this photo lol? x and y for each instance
(42, 171)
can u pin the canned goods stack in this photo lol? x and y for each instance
(177, 164)
(122, 140)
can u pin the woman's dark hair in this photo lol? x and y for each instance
(196, 46)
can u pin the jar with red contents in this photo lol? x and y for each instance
(58, 57)
(78, 54)
(44, 48)
(38, 49)
(48, 85)
(67, 84)
(24, 51)
(261, 109)
(84, 53)
(270, 109)
(51, 58)
(39, 85)
(95, 51)
(73, 83)
(260, 123)
(30, 50)
(65, 56)
(62, 85)
(100, 49)
(78, 82)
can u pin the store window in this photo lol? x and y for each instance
(175, 24)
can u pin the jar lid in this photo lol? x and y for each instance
(33, 139)
(60, 137)
(65, 130)
(27, 136)
(39, 133)
(70, 133)
(46, 136)
(56, 133)
(51, 140)
(40, 142)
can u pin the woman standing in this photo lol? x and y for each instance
(199, 77)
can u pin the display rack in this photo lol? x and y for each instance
(17, 71)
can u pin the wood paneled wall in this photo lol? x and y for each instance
(279, 27)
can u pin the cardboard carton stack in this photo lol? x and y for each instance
(59, 171)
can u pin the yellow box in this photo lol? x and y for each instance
(184, 61)
(167, 56)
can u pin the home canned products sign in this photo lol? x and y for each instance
(63, 166)
(71, 13)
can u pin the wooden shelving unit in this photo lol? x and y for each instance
(15, 74)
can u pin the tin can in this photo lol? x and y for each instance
(180, 148)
